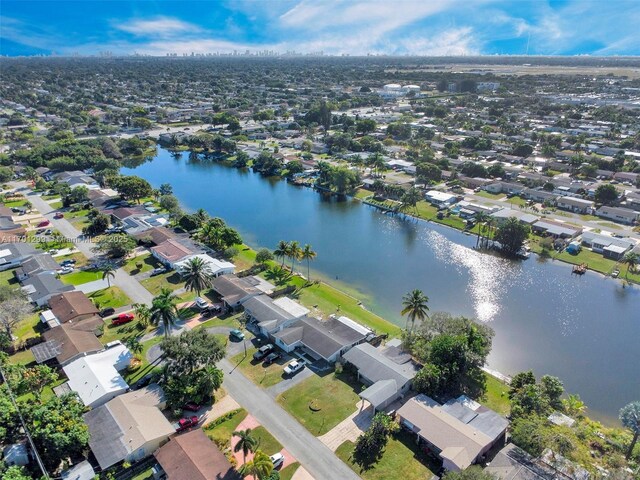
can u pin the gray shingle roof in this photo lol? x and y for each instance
(262, 309)
(105, 436)
(374, 366)
(380, 392)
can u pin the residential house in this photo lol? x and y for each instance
(268, 317)
(505, 187)
(15, 254)
(155, 235)
(628, 177)
(505, 213)
(513, 463)
(9, 230)
(610, 247)
(540, 196)
(170, 252)
(474, 182)
(575, 205)
(70, 306)
(41, 287)
(39, 263)
(216, 267)
(326, 340)
(69, 341)
(387, 371)
(193, 456)
(95, 377)
(460, 435)
(81, 471)
(618, 214)
(440, 199)
(555, 229)
(129, 427)
(234, 290)
(119, 214)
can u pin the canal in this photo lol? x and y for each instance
(585, 330)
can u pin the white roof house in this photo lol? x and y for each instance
(95, 377)
(47, 317)
(440, 198)
(217, 267)
(291, 307)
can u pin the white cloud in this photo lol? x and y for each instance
(162, 27)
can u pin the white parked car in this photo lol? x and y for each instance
(293, 367)
(65, 270)
(201, 303)
(277, 459)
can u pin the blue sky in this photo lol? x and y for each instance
(421, 27)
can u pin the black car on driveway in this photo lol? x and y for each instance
(263, 352)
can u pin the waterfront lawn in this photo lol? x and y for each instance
(400, 459)
(7, 278)
(257, 372)
(363, 193)
(109, 297)
(221, 429)
(170, 280)
(287, 472)
(268, 444)
(594, 260)
(81, 276)
(333, 397)
(245, 258)
(147, 260)
(328, 299)
(496, 396)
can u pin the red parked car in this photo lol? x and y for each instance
(191, 406)
(59, 215)
(122, 319)
(185, 423)
(44, 223)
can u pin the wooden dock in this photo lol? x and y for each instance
(580, 269)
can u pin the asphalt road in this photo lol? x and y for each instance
(312, 454)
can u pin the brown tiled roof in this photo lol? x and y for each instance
(157, 235)
(124, 212)
(192, 456)
(172, 250)
(70, 305)
(75, 338)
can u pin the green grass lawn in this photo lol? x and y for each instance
(287, 472)
(334, 397)
(268, 444)
(363, 193)
(595, 261)
(144, 475)
(613, 226)
(328, 299)
(29, 327)
(132, 375)
(15, 203)
(24, 357)
(497, 396)
(245, 259)
(147, 261)
(170, 280)
(264, 376)
(80, 259)
(7, 278)
(81, 276)
(56, 205)
(110, 297)
(401, 459)
(220, 433)
(517, 201)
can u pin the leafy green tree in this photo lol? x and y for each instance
(75, 195)
(530, 433)
(574, 406)
(170, 203)
(414, 306)
(263, 256)
(197, 386)
(191, 350)
(163, 310)
(553, 389)
(16, 472)
(511, 235)
(246, 443)
(14, 307)
(630, 418)
(428, 380)
(97, 226)
(115, 246)
(606, 194)
(370, 445)
(9, 421)
(57, 427)
(197, 275)
(36, 378)
(132, 187)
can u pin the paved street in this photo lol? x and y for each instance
(316, 458)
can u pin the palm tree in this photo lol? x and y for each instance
(308, 255)
(631, 259)
(260, 467)
(376, 161)
(246, 443)
(415, 307)
(108, 272)
(574, 406)
(143, 312)
(197, 275)
(295, 252)
(164, 310)
(481, 218)
(281, 251)
(134, 344)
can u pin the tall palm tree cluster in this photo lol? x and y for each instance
(197, 275)
(260, 466)
(294, 252)
(486, 228)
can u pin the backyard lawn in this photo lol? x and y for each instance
(497, 396)
(133, 375)
(109, 297)
(29, 327)
(264, 376)
(332, 397)
(400, 459)
(7, 278)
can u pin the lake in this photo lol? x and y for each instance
(583, 329)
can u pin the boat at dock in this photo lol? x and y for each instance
(580, 269)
